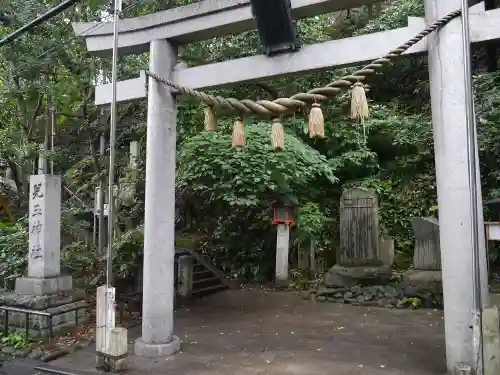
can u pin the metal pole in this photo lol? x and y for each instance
(471, 157)
(102, 228)
(52, 135)
(112, 144)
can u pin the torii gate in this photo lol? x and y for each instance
(157, 33)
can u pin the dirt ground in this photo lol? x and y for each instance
(263, 332)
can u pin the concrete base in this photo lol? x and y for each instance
(143, 349)
(342, 276)
(423, 278)
(39, 287)
(67, 313)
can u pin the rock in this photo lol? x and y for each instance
(324, 291)
(348, 295)
(392, 291)
(22, 353)
(393, 301)
(340, 290)
(306, 294)
(356, 290)
(321, 298)
(370, 293)
(8, 350)
(400, 305)
(36, 354)
(360, 299)
(338, 295)
(340, 276)
(4, 358)
(332, 299)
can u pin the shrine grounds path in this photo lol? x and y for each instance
(251, 332)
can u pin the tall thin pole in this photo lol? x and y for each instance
(112, 144)
(102, 228)
(472, 166)
(52, 134)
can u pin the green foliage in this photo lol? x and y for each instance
(215, 172)
(13, 252)
(311, 222)
(16, 340)
(412, 302)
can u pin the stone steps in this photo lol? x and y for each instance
(205, 281)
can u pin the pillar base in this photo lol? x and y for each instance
(349, 276)
(423, 278)
(143, 349)
(33, 286)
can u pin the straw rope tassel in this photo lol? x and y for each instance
(316, 122)
(210, 119)
(359, 104)
(277, 135)
(238, 133)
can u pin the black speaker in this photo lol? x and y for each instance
(275, 25)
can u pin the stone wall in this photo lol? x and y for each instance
(394, 295)
(61, 314)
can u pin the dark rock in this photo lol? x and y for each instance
(393, 301)
(321, 298)
(306, 294)
(340, 276)
(370, 293)
(392, 291)
(324, 291)
(356, 290)
(4, 358)
(50, 356)
(8, 350)
(340, 290)
(36, 354)
(22, 353)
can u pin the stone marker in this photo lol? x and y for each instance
(44, 268)
(359, 242)
(427, 255)
(44, 289)
(186, 276)
(303, 255)
(386, 250)
(282, 249)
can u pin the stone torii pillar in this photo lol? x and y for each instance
(157, 338)
(446, 70)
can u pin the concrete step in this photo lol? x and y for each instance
(206, 282)
(209, 290)
(203, 274)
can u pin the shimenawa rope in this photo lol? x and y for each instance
(283, 106)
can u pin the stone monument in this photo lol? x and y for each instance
(44, 289)
(358, 255)
(427, 256)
